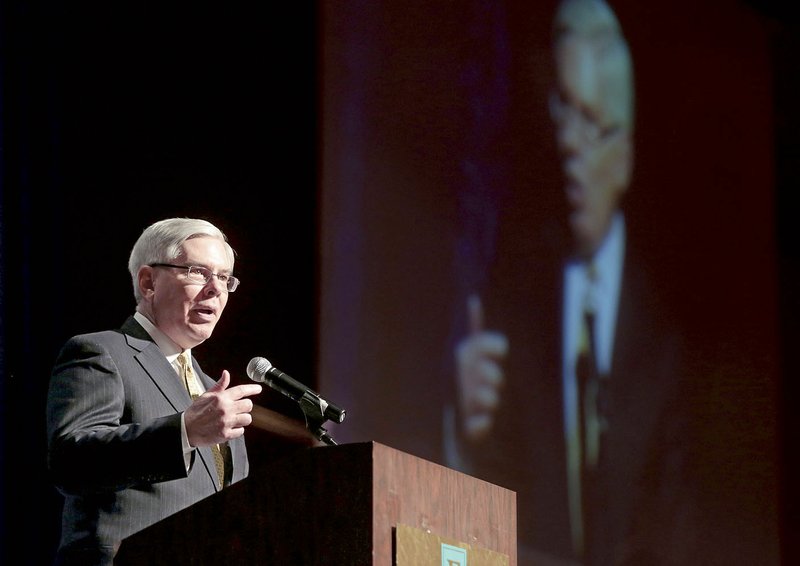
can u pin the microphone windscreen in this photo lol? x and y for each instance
(257, 368)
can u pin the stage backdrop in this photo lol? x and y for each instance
(437, 146)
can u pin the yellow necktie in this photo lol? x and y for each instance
(193, 387)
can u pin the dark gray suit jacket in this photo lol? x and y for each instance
(642, 477)
(114, 437)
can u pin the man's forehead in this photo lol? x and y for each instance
(578, 69)
(594, 71)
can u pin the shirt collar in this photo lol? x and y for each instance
(170, 349)
(607, 261)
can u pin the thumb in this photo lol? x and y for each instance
(222, 383)
(474, 313)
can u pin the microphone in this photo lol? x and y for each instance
(261, 370)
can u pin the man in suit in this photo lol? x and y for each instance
(136, 430)
(572, 403)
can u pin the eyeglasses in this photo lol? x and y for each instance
(201, 275)
(591, 131)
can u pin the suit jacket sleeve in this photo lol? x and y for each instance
(95, 444)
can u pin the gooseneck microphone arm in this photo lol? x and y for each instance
(315, 409)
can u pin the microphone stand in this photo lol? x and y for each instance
(314, 411)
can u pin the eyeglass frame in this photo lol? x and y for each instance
(230, 282)
(593, 132)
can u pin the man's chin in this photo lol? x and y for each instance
(583, 240)
(201, 332)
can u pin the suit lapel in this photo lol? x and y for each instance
(163, 376)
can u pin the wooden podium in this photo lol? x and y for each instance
(330, 505)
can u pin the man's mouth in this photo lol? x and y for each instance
(575, 195)
(206, 313)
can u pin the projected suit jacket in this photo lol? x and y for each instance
(115, 451)
(643, 464)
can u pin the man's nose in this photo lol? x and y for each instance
(570, 134)
(214, 286)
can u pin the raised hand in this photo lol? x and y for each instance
(480, 375)
(221, 413)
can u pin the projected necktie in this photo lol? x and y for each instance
(591, 427)
(585, 439)
(577, 444)
(194, 389)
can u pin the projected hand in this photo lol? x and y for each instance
(480, 376)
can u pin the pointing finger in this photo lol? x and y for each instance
(475, 313)
(222, 383)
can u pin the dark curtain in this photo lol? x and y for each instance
(115, 115)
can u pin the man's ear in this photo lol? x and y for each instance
(145, 281)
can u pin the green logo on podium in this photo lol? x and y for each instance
(453, 555)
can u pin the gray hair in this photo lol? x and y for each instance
(162, 242)
(594, 20)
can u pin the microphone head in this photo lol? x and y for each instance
(257, 369)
